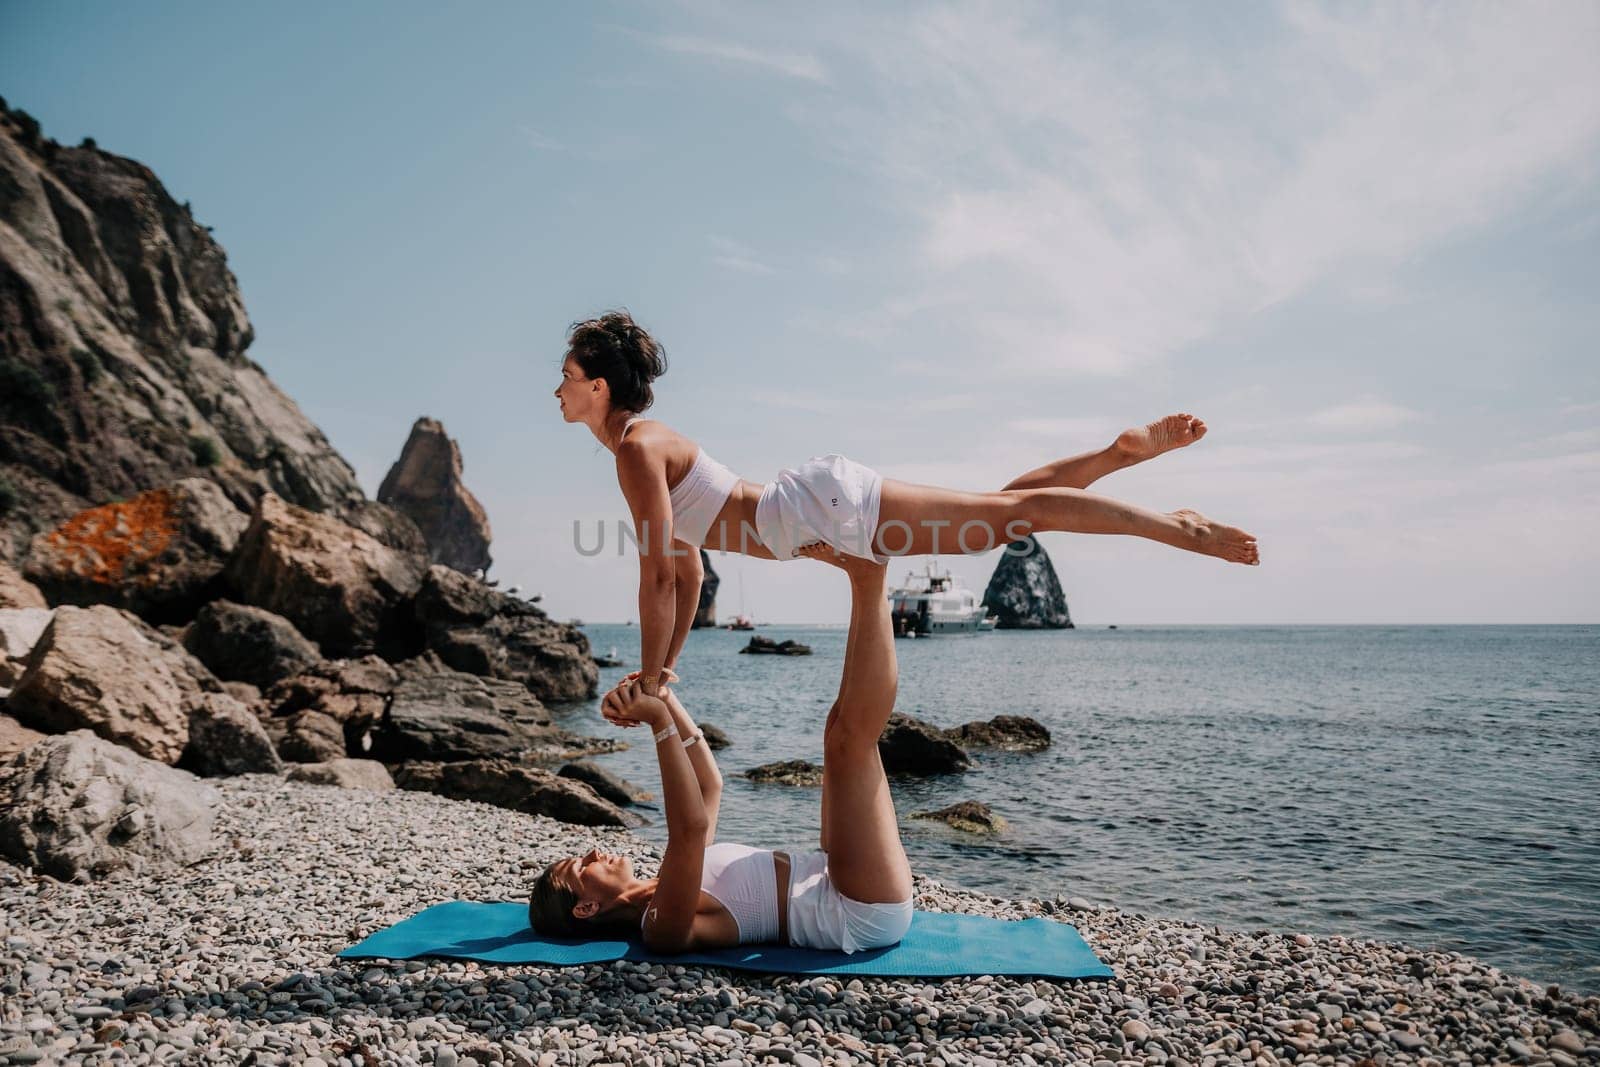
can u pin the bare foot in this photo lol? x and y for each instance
(1163, 435)
(1214, 539)
(854, 566)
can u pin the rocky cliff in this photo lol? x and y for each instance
(1024, 590)
(122, 350)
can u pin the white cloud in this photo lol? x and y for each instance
(1366, 415)
(1090, 199)
(734, 256)
(789, 64)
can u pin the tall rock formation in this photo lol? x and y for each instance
(425, 484)
(122, 350)
(1024, 590)
(706, 614)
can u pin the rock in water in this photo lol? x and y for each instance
(1024, 590)
(77, 804)
(518, 787)
(425, 484)
(244, 644)
(159, 555)
(124, 337)
(967, 815)
(1008, 733)
(767, 646)
(344, 773)
(104, 669)
(913, 747)
(716, 739)
(480, 630)
(706, 613)
(340, 587)
(17, 592)
(786, 772)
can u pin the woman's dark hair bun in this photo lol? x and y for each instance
(616, 348)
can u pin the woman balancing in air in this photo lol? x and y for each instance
(853, 893)
(682, 499)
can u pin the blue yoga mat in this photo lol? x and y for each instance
(938, 945)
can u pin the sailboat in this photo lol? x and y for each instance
(740, 621)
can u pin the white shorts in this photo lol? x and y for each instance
(827, 498)
(822, 917)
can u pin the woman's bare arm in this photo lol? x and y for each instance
(643, 477)
(702, 760)
(688, 575)
(669, 921)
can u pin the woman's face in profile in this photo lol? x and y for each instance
(576, 393)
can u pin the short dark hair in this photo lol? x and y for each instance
(550, 913)
(616, 348)
(550, 907)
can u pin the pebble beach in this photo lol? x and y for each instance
(233, 961)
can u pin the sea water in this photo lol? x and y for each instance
(1438, 785)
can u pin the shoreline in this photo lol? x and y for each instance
(236, 956)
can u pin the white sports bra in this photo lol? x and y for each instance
(745, 881)
(698, 498)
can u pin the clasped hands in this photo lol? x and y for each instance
(629, 705)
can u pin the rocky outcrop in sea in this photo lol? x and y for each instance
(706, 614)
(1024, 590)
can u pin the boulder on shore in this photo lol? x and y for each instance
(16, 591)
(436, 713)
(159, 554)
(518, 787)
(76, 805)
(344, 773)
(786, 772)
(226, 738)
(612, 787)
(1008, 733)
(20, 630)
(339, 586)
(967, 815)
(14, 737)
(912, 747)
(425, 485)
(240, 643)
(480, 630)
(104, 669)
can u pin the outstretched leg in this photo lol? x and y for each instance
(1133, 445)
(866, 861)
(921, 520)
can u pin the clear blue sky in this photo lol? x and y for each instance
(949, 241)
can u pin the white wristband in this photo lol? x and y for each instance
(692, 738)
(662, 735)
